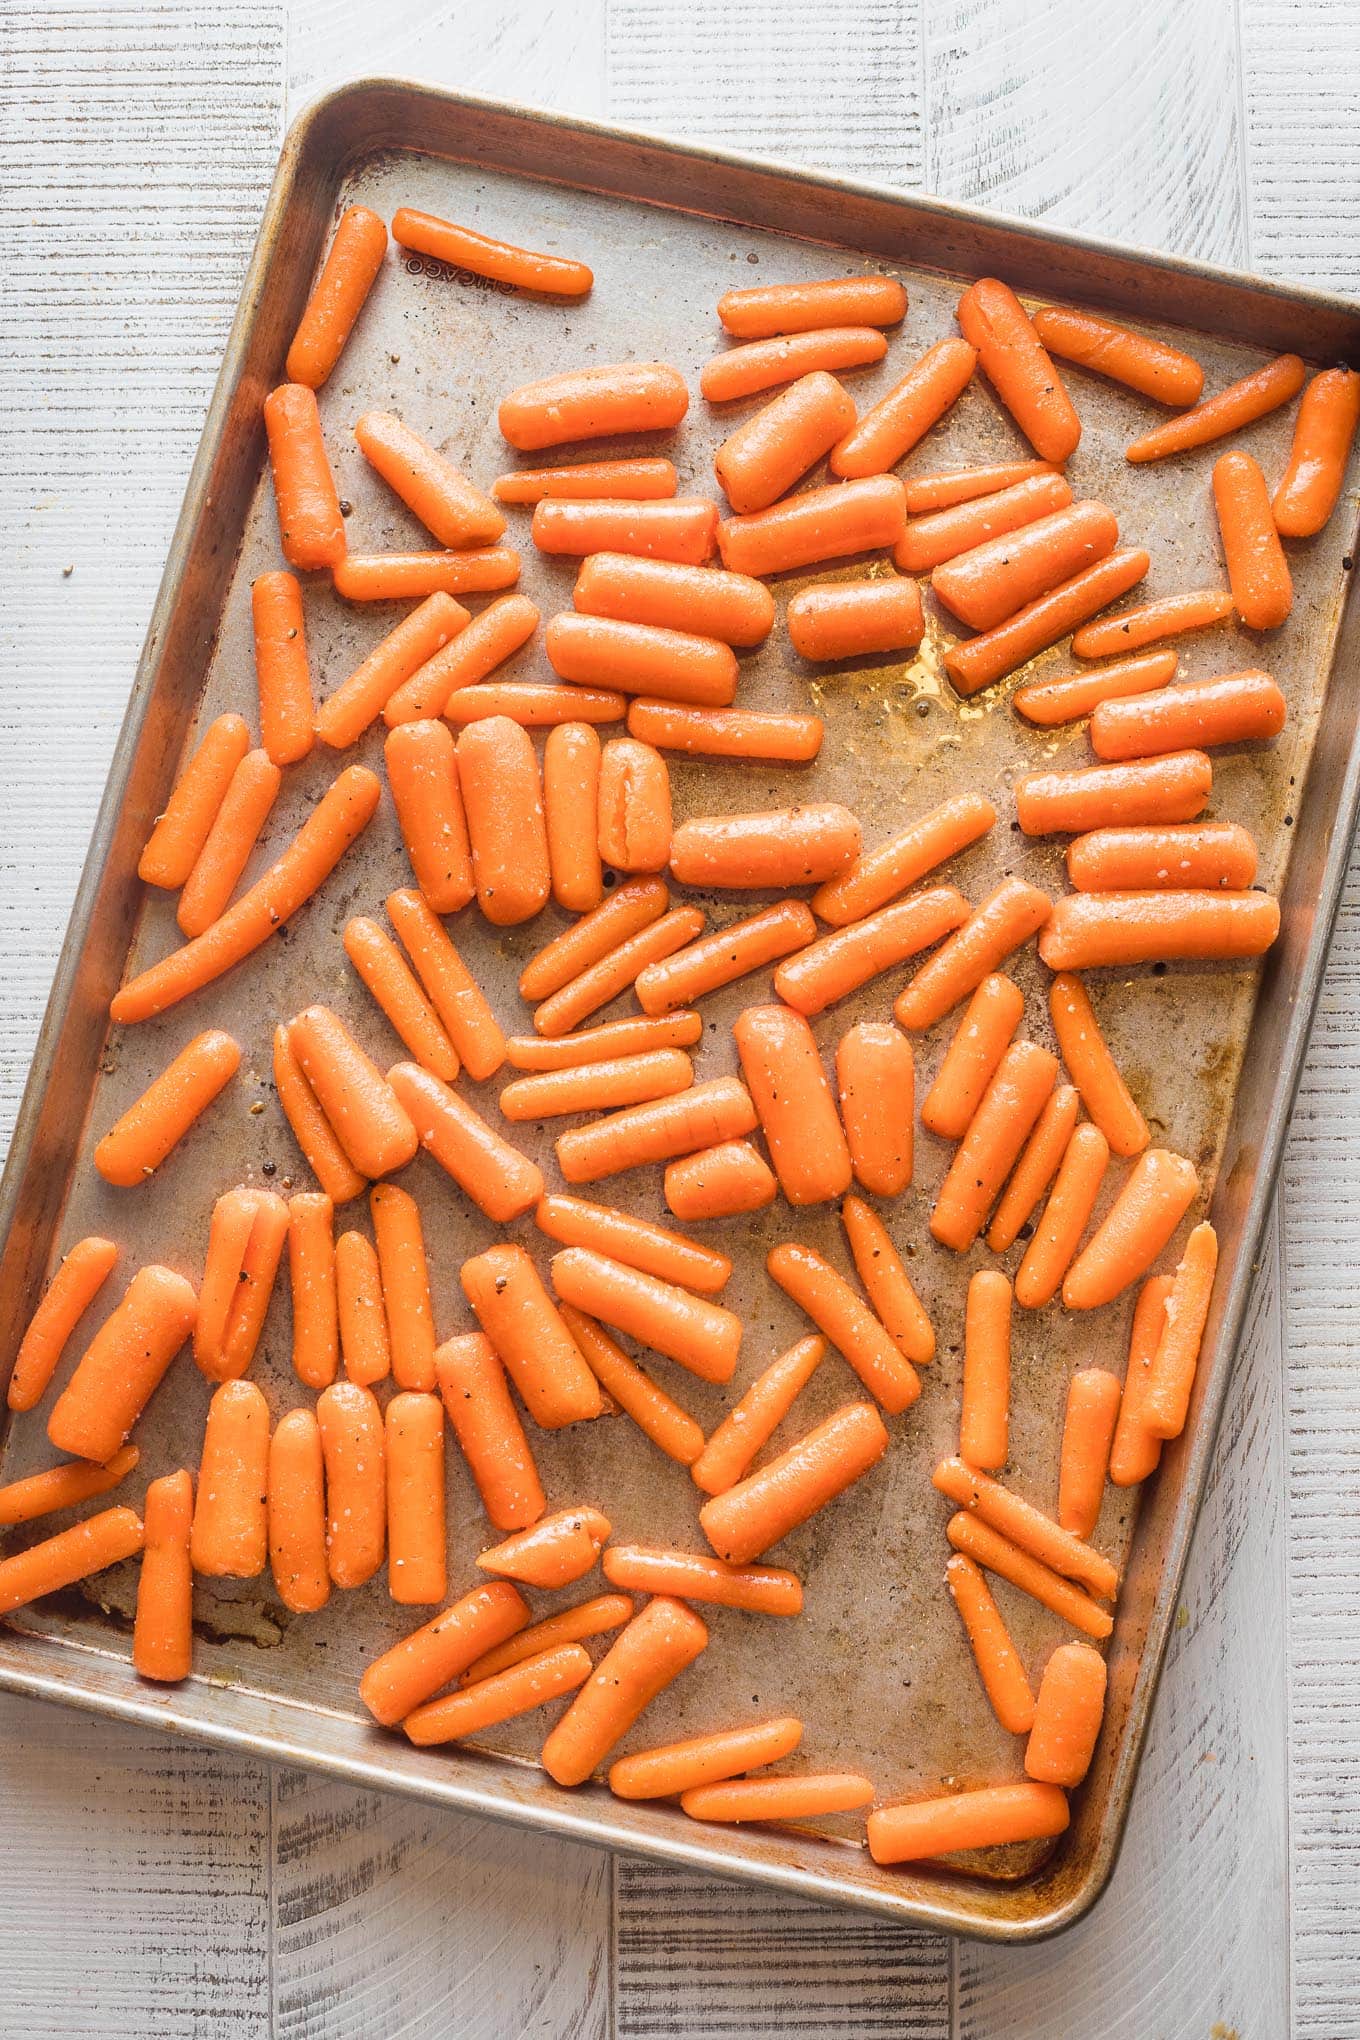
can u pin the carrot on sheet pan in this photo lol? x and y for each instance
(526, 1328)
(747, 1518)
(769, 851)
(1090, 930)
(457, 998)
(782, 1065)
(1067, 1716)
(719, 1182)
(671, 1429)
(753, 1421)
(595, 1617)
(619, 968)
(1136, 1450)
(433, 1655)
(671, 596)
(447, 504)
(82, 1273)
(500, 1180)
(1165, 1402)
(983, 1819)
(364, 1344)
(531, 1683)
(1092, 1068)
(837, 964)
(63, 1486)
(1093, 1396)
(593, 403)
(1010, 1106)
(503, 801)
(282, 673)
(401, 577)
(888, 432)
(348, 274)
(887, 1284)
(1148, 366)
(601, 1044)
(984, 1413)
(571, 795)
(1242, 403)
(779, 1798)
(1056, 1236)
(941, 491)
(1167, 616)
(1051, 702)
(490, 1435)
(948, 534)
(1000, 1666)
(991, 582)
(879, 875)
(652, 1650)
(1015, 362)
(236, 827)
(702, 1336)
(854, 619)
(1152, 1201)
(838, 1313)
(1172, 788)
(641, 658)
(694, 1576)
(311, 1129)
(172, 849)
(681, 529)
(311, 528)
(759, 365)
(352, 1443)
(395, 662)
(422, 772)
(87, 1547)
(634, 806)
(1036, 1168)
(701, 1117)
(1258, 572)
(993, 931)
(876, 1088)
(384, 971)
(123, 1365)
(598, 1087)
(673, 1768)
(733, 952)
(1323, 433)
(229, 1538)
(554, 1552)
(1210, 854)
(762, 458)
(162, 1631)
(400, 1241)
(462, 248)
(593, 481)
(628, 909)
(980, 1040)
(816, 525)
(297, 1513)
(637, 1242)
(761, 311)
(992, 1551)
(1002, 1510)
(246, 1239)
(369, 1120)
(976, 662)
(471, 654)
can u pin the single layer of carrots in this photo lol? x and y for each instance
(928, 493)
(958, 529)
(818, 524)
(503, 801)
(887, 1284)
(1165, 1402)
(989, 1150)
(850, 620)
(368, 1119)
(993, 581)
(464, 1011)
(1242, 403)
(501, 1181)
(172, 849)
(246, 1238)
(995, 1553)
(746, 1519)
(701, 1117)
(839, 963)
(1055, 1239)
(728, 1453)
(719, 1182)
(352, 1444)
(1168, 616)
(640, 481)
(365, 1347)
(598, 1087)
(876, 1090)
(634, 806)
(599, 1044)
(1092, 1068)
(311, 528)
(779, 1798)
(641, 658)
(673, 1768)
(1258, 572)
(490, 1436)
(778, 848)
(1218, 854)
(1090, 930)
(1324, 430)
(230, 1534)
(1093, 1396)
(525, 1326)
(1014, 360)
(993, 931)
(432, 1656)
(1013, 1517)
(422, 773)
(764, 364)
(1148, 366)
(83, 1271)
(236, 829)
(400, 1241)
(654, 1648)
(689, 974)
(1172, 788)
(681, 529)
(62, 1487)
(1000, 1665)
(980, 1040)
(446, 503)
(530, 1684)
(1135, 1451)
(311, 1129)
(1036, 1168)
(987, 1818)
(984, 1412)
(671, 1429)
(383, 970)
(887, 432)
(593, 403)
(1050, 702)
(140, 1139)
(782, 1065)
(977, 662)
(637, 1242)
(410, 577)
(1152, 1201)
(840, 1315)
(753, 734)
(163, 1630)
(502, 261)
(694, 1576)
(471, 654)
(595, 1617)
(763, 310)
(571, 786)
(554, 1552)
(601, 982)
(311, 1270)
(703, 1336)
(87, 1547)
(672, 596)
(123, 1365)
(348, 274)
(772, 449)
(1067, 1716)
(282, 673)
(877, 876)
(297, 1513)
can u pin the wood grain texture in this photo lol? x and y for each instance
(1299, 70)
(541, 52)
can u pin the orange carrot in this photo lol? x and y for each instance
(816, 525)
(79, 1278)
(653, 1650)
(733, 952)
(598, 1087)
(1093, 929)
(1135, 1451)
(1323, 433)
(1067, 1717)
(1168, 789)
(826, 1296)
(984, 1416)
(1258, 572)
(245, 1245)
(588, 1618)
(719, 1182)
(433, 1655)
(856, 618)
(61, 1487)
(779, 1798)
(601, 1044)
(1167, 617)
(1227, 411)
(405, 1277)
(693, 1576)
(468, 656)
(774, 849)
(621, 967)
(297, 1513)
(87, 1547)
(1036, 1168)
(593, 480)
(356, 1483)
(764, 310)
(413, 1019)
(348, 274)
(886, 1283)
(671, 1429)
(995, 1553)
(635, 1241)
(928, 493)
(554, 1553)
(500, 1180)
(533, 1683)
(282, 673)
(525, 1327)
(1006, 1116)
(993, 581)
(771, 450)
(139, 1141)
(236, 828)
(400, 577)
(447, 504)
(980, 1040)
(639, 658)
(887, 432)
(745, 1520)
(672, 1768)
(229, 1539)
(311, 528)
(1014, 360)
(172, 849)
(961, 528)
(123, 1365)
(1231, 708)
(1050, 702)
(634, 802)
(1166, 1399)
(839, 963)
(671, 596)
(702, 1336)
(462, 248)
(876, 1083)
(1005, 920)
(312, 1130)
(1026, 1526)
(742, 1432)
(1071, 1201)
(628, 909)
(782, 1066)
(877, 876)
(1092, 1068)
(593, 403)
(368, 1118)
(364, 1343)
(977, 662)
(402, 656)
(763, 364)
(162, 1633)
(1088, 1429)
(490, 1435)
(698, 1118)
(422, 772)
(1153, 1200)
(454, 993)
(1146, 860)
(682, 530)
(417, 1569)
(534, 705)
(985, 1818)
(503, 798)
(341, 815)
(1149, 366)
(571, 784)
(311, 1269)
(1000, 1666)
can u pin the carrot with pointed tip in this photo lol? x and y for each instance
(733, 952)
(503, 800)
(311, 1129)
(836, 965)
(694, 1576)
(1090, 930)
(311, 1269)
(772, 850)
(555, 1552)
(670, 595)
(957, 529)
(698, 1118)
(140, 1139)
(876, 1086)
(984, 1415)
(490, 1435)
(598, 1087)
(893, 426)
(532, 1683)
(1166, 617)
(502, 261)
(352, 1444)
(238, 1282)
(297, 1513)
(592, 480)
(1088, 1431)
(1151, 1204)
(763, 364)
(447, 504)
(410, 577)
(1067, 1717)
(674, 1768)
(593, 403)
(526, 1328)
(348, 274)
(805, 1797)
(769, 451)
(413, 1019)
(433, 1655)
(1166, 1400)
(396, 659)
(364, 1343)
(1316, 471)
(123, 1365)
(571, 793)
(1172, 788)
(462, 1006)
(671, 1429)
(162, 1630)
(61, 1487)
(1231, 708)
(1000, 1666)
(500, 1180)
(991, 582)
(1036, 1168)
(987, 1818)
(282, 673)
(405, 1278)
(422, 772)
(993, 931)
(1058, 1233)
(470, 655)
(87, 1547)
(979, 661)
(730, 1450)
(1092, 1068)
(1135, 1452)
(980, 1040)
(992, 1551)
(704, 1337)
(621, 967)
(632, 1036)
(788, 1086)
(886, 1283)
(941, 491)
(630, 908)
(652, 1651)
(814, 526)
(536, 705)
(763, 310)
(682, 529)
(856, 618)
(1148, 366)
(877, 876)
(311, 527)
(1213, 854)
(653, 1249)
(1013, 1517)
(417, 1565)
(79, 1279)
(641, 658)
(989, 1150)
(719, 1182)
(1017, 365)
(634, 806)
(1051, 702)
(746, 1519)
(817, 1288)
(1258, 572)
(229, 1538)
(595, 1617)
(229, 1230)
(236, 828)
(1242, 403)
(369, 1119)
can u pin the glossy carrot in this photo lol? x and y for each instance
(433, 1655)
(457, 998)
(87, 1547)
(876, 1086)
(282, 673)
(369, 1120)
(1006, 1116)
(1036, 1168)
(592, 480)
(877, 876)
(637, 1242)
(746, 1428)
(139, 1141)
(229, 1230)
(1258, 572)
(1071, 1201)
(628, 909)
(599, 1044)
(977, 662)
(704, 1337)
(1000, 1666)
(1154, 1198)
(524, 1325)
(311, 1270)
(1050, 702)
(229, 1539)
(1166, 617)
(409, 1313)
(394, 661)
(992, 582)
(313, 1132)
(417, 1565)
(705, 600)
(162, 1632)
(928, 493)
(401, 577)
(593, 403)
(746, 1519)
(471, 654)
(778, 848)
(958, 529)
(1067, 1717)
(490, 1435)
(1171, 788)
(340, 816)
(856, 618)
(719, 1182)
(615, 971)
(1089, 930)
(764, 364)
(1148, 366)
(887, 1285)
(782, 1066)
(422, 772)
(1227, 411)
(352, 1444)
(598, 1087)
(530, 1684)
(1146, 860)
(763, 310)
(462, 248)
(698, 1118)
(447, 504)
(348, 274)
(980, 1040)
(733, 952)
(995, 1553)
(682, 529)
(1088, 1430)
(503, 800)
(500, 1180)
(694, 1576)
(83, 1271)
(1005, 920)
(639, 658)
(594, 1617)
(1165, 1402)
(984, 1414)
(772, 449)
(571, 788)
(1316, 471)
(238, 1281)
(311, 528)
(835, 1309)
(673, 1768)
(634, 806)
(172, 849)
(365, 1346)
(62, 1487)
(1092, 1068)
(771, 1798)
(535, 706)
(887, 432)
(235, 831)
(986, 1818)
(1007, 1513)
(816, 525)
(381, 966)
(671, 1429)
(653, 1649)
(1014, 360)
(297, 1513)
(839, 963)
(1136, 1450)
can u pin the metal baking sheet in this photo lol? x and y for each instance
(877, 1668)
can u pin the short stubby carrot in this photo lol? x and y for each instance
(747, 1518)
(837, 964)
(1152, 1201)
(554, 1552)
(457, 998)
(1167, 616)
(1226, 411)
(601, 1044)
(694, 1576)
(1000, 1665)
(172, 849)
(628, 909)
(764, 364)
(1172, 788)
(472, 653)
(770, 851)
(1258, 572)
(671, 1429)
(986, 1818)
(993, 931)
(876, 1086)
(598, 1087)
(571, 787)
(851, 620)
(719, 1182)
(1136, 1451)
(634, 806)
(888, 432)
(701, 1117)
(957, 529)
(311, 528)
(139, 1141)
(230, 1538)
(593, 403)
(1038, 1164)
(1092, 1411)
(672, 1768)
(87, 1547)
(992, 582)
(352, 1445)
(1050, 702)
(773, 448)
(681, 529)
(531, 1683)
(447, 504)
(1006, 1116)
(82, 1274)
(422, 772)
(641, 658)
(595, 1617)
(163, 1631)
(653, 1649)
(1053, 1245)
(1165, 1402)
(348, 274)
(617, 970)
(887, 1284)
(1324, 430)
(978, 662)
(246, 1239)
(702, 1336)
(994, 1553)
(404, 1271)
(432, 1656)
(763, 310)
(595, 481)
(503, 800)
(311, 1270)
(1015, 361)
(311, 1129)
(1150, 859)
(1091, 930)
(1067, 1717)
(879, 875)
(394, 662)
(637, 1242)
(980, 1040)
(984, 1411)
(235, 831)
(818, 524)
(742, 1432)
(705, 600)
(1006, 1512)
(62, 1487)
(838, 1313)
(782, 1065)
(733, 952)
(490, 1435)
(1148, 366)
(502, 1182)
(525, 1326)
(297, 1513)
(282, 672)
(807, 1796)
(941, 491)
(1092, 1068)
(365, 1346)
(369, 1120)
(382, 968)
(402, 577)
(463, 248)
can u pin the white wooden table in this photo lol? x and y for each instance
(153, 1890)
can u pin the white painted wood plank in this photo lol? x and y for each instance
(1299, 94)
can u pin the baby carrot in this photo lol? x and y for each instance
(1035, 1533)
(698, 1118)
(593, 403)
(447, 504)
(554, 1553)
(977, 662)
(535, 706)
(311, 1129)
(236, 828)
(469, 655)
(1166, 1399)
(702, 1336)
(601, 1044)
(635, 1241)
(229, 1539)
(1135, 1451)
(526, 1328)
(671, 1429)
(368, 1118)
(594, 480)
(818, 524)
(1036, 1168)
(766, 309)
(982, 1819)
(79, 1278)
(405, 1277)
(1088, 1429)
(672, 1768)
(745, 1520)
(682, 529)
(503, 801)
(364, 1344)
(628, 909)
(1093, 929)
(588, 1618)
(532, 1683)
(311, 528)
(348, 274)
(961, 528)
(876, 1083)
(639, 658)
(1166, 617)
(733, 952)
(413, 1019)
(1323, 433)
(433, 1655)
(886, 1283)
(1005, 920)
(297, 1513)
(1010, 1107)
(826, 1296)
(928, 493)
(1172, 788)
(490, 1435)
(995, 1553)
(1070, 1204)
(839, 963)
(457, 998)
(61, 1487)
(598, 1087)
(772, 1798)
(500, 1180)
(1014, 360)
(984, 1416)
(708, 600)
(123, 1365)
(754, 1420)
(719, 1182)
(422, 772)
(402, 577)
(417, 1566)
(877, 876)
(1148, 366)
(282, 674)
(768, 452)
(772, 850)
(139, 1141)
(991, 582)
(693, 1576)
(1258, 572)
(87, 1547)
(634, 805)
(764, 364)
(400, 657)
(245, 1245)
(162, 1633)
(899, 420)
(615, 971)
(462, 248)
(1146, 860)
(1152, 1201)
(1051, 702)
(1092, 1068)
(341, 815)
(1242, 403)
(356, 1482)
(653, 1649)
(1067, 1717)
(1000, 1666)
(782, 1066)
(172, 849)
(571, 798)
(980, 1040)
(853, 619)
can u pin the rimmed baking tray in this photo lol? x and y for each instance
(877, 1666)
